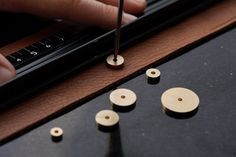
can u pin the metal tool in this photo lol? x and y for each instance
(118, 28)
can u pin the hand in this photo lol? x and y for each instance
(7, 71)
(93, 12)
(102, 13)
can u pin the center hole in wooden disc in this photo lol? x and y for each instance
(122, 96)
(107, 117)
(115, 60)
(180, 99)
(56, 131)
(153, 72)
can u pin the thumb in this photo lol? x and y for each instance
(7, 71)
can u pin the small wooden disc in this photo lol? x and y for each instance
(153, 75)
(56, 133)
(118, 64)
(107, 118)
(123, 98)
(179, 100)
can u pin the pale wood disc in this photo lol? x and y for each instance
(107, 118)
(123, 97)
(56, 132)
(179, 100)
(118, 64)
(153, 73)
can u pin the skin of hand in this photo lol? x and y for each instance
(7, 71)
(102, 13)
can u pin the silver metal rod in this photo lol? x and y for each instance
(118, 27)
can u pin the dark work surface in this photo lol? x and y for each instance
(209, 70)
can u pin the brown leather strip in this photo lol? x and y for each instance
(85, 84)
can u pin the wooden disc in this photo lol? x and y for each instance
(107, 118)
(56, 133)
(153, 75)
(179, 100)
(118, 64)
(123, 98)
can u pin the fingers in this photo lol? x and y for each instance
(7, 71)
(93, 12)
(130, 6)
(96, 13)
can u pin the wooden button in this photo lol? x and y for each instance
(56, 134)
(153, 75)
(107, 119)
(118, 64)
(180, 102)
(123, 99)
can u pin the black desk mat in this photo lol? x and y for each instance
(209, 70)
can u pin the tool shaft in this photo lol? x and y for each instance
(118, 28)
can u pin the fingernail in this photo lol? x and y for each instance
(127, 18)
(5, 74)
(139, 2)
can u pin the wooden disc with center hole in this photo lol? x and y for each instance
(179, 100)
(153, 75)
(118, 64)
(122, 98)
(107, 118)
(56, 134)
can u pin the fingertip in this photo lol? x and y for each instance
(141, 5)
(128, 18)
(136, 6)
(7, 71)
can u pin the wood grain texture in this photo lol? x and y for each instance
(84, 85)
